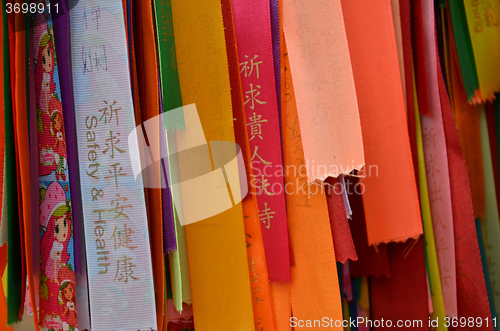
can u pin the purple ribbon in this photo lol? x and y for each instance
(62, 44)
(275, 34)
(169, 239)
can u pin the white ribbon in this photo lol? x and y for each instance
(119, 269)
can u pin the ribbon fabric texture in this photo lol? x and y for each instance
(341, 233)
(430, 246)
(470, 279)
(314, 290)
(370, 32)
(171, 99)
(262, 302)
(11, 207)
(57, 278)
(324, 87)
(222, 271)
(116, 232)
(491, 221)
(261, 110)
(483, 21)
(436, 166)
(150, 99)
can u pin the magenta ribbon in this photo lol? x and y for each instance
(253, 37)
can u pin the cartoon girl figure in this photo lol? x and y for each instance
(67, 298)
(55, 219)
(58, 142)
(45, 72)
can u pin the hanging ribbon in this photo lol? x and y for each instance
(417, 29)
(483, 21)
(405, 11)
(262, 302)
(57, 278)
(116, 232)
(62, 46)
(491, 221)
(389, 217)
(204, 80)
(430, 246)
(17, 276)
(372, 260)
(467, 121)
(403, 296)
(324, 88)
(464, 50)
(14, 258)
(339, 224)
(171, 99)
(257, 78)
(489, 108)
(436, 166)
(282, 306)
(472, 297)
(314, 289)
(150, 99)
(396, 19)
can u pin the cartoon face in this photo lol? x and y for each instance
(68, 292)
(56, 123)
(61, 229)
(47, 59)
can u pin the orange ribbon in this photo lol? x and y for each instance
(314, 289)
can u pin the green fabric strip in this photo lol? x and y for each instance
(170, 86)
(14, 258)
(464, 47)
(172, 99)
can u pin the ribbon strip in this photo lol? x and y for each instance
(116, 231)
(257, 78)
(324, 88)
(483, 20)
(314, 289)
(171, 99)
(467, 121)
(216, 246)
(430, 246)
(463, 48)
(18, 79)
(62, 47)
(491, 221)
(154, 172)
(403, 296)
(341, 233)
(372, 260)
(389, 216)
(436, 166)
(472, 298)
(262, 302)
(14, 272)
(57, 277)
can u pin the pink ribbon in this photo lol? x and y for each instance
(253, 38)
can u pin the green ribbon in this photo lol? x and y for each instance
(14, 258)
(464, 47)
(169, 75)
(172, 99)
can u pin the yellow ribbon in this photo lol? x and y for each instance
(217, 256)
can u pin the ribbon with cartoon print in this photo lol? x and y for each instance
(118, 254)
(57, 279)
